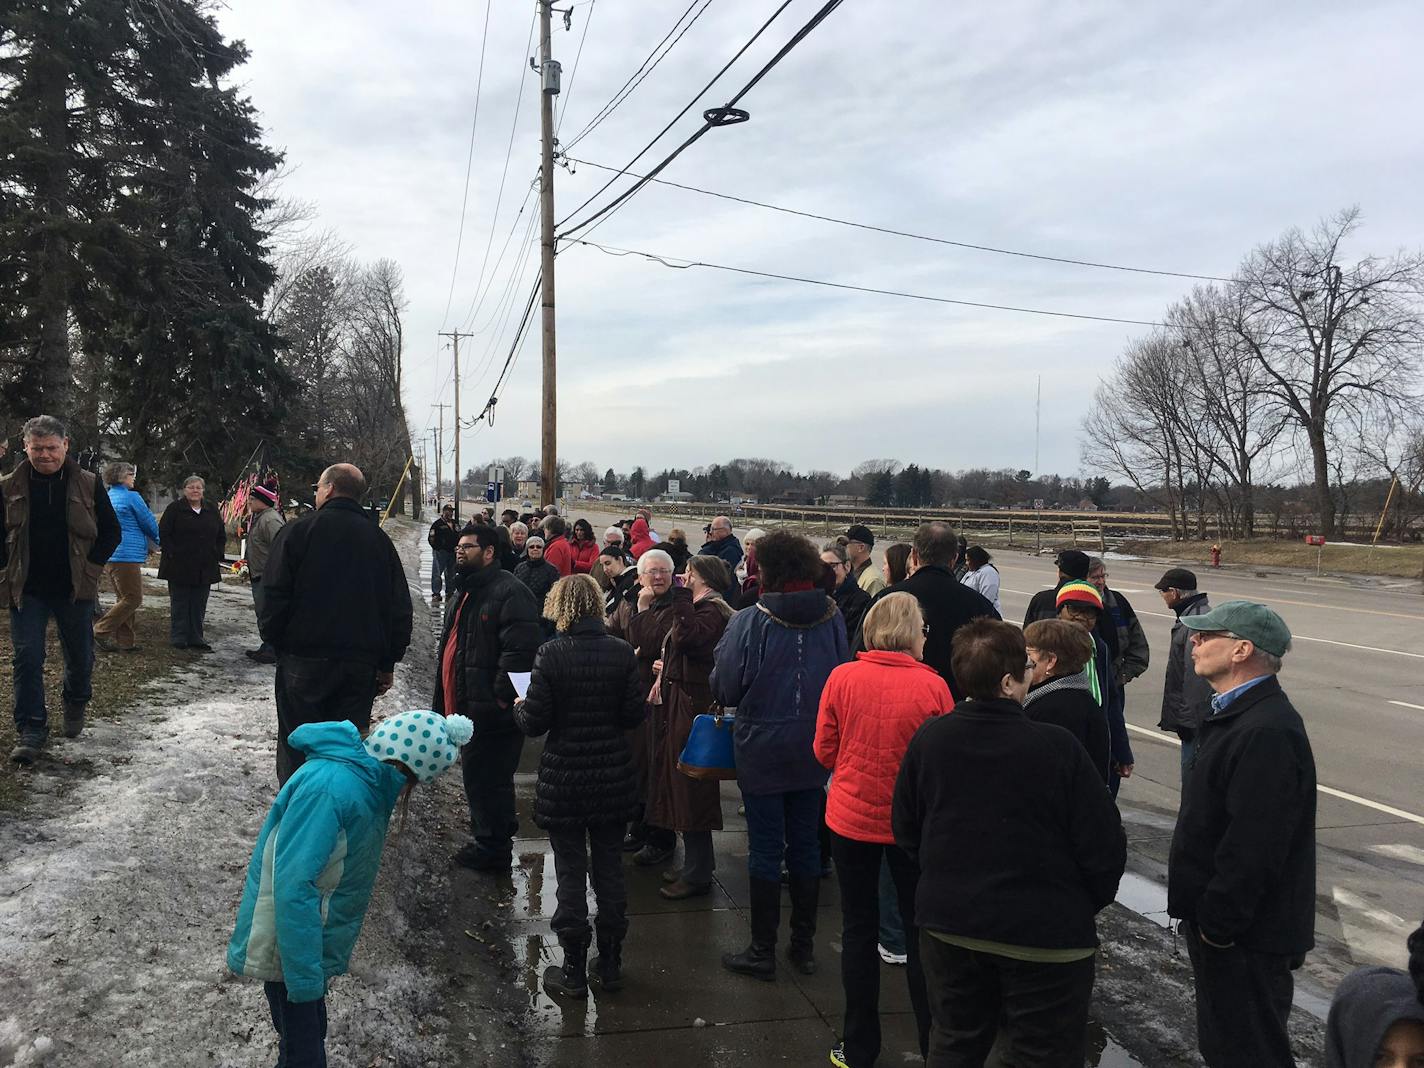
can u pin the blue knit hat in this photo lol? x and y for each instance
(422, 740)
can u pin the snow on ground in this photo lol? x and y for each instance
(118, 890)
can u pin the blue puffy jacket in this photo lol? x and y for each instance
(771, 665)
(137, 523)
(315, 863)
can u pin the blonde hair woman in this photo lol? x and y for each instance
(585, 693)
(870, 709)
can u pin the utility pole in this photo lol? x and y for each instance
(439, 446)
(549, 77)
(455, 336)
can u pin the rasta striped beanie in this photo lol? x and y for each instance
(1075, 592)
(424, 741)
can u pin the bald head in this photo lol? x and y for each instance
(340, 480)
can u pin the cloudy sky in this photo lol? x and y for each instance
(1172, 137)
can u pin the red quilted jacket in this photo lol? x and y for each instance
(584, 556)
(560, 553)
(870, 708)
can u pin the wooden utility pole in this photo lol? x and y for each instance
(549, 77)
(439, 447)
(455, 336)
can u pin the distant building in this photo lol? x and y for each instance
(528, 488)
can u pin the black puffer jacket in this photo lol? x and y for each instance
(539, 576)
(499, 633)
(585, 694)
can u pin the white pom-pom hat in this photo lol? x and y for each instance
(422, 740)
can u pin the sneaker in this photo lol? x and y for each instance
(106, 644)
(838, 1057)
(650, 855)
(73, 720)
(32, 743)
(898, 959)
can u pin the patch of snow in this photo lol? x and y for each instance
(118, 891)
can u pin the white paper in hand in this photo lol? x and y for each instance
(520, 679)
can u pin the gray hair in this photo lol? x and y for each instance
(535, 542)
(116, 472)
(194, 478)
(655, 556)
(753, 534)
(614, 534)
(1095, 562)
(520, 527)
(43, 426)
(551, 509)
(838, 550)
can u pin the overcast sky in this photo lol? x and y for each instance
(1173, 137)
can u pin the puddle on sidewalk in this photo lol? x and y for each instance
(1104, 1052)
(1144, 897)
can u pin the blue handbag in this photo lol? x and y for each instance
(709, 753)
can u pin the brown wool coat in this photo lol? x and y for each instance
(676, 801)
(645, 632)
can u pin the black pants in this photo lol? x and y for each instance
(858, 871)
(1243, 1001)
(489, 763)
(584, 855)
(319, 691)
(300, 1026)
(1042, 1008)
(187, 605)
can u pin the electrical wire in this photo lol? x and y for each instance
(666, 261)
(504, 173)
(905, 233)
(564, 97)
(641, 74)
(519, 335)
(469, 162)
(478, 299)
(710, 118)
(690, 104)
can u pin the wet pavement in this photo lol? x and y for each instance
(488, 937)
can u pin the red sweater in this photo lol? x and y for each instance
(870, 709)
(585, 555)
(560, 553)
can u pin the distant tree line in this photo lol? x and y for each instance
(1300, 365)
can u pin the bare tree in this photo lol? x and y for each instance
(1330, 337)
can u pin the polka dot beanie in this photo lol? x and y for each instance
(1084, 593)
(424, 741)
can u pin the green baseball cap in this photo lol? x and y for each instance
(1246, 619)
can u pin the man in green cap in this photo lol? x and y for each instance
(1241, 876)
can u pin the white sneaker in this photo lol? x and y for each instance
(899, 959)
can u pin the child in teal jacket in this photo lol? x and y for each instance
(316, 859)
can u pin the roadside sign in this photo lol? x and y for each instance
(491, 493)
(674, 486)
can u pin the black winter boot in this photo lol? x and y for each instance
(606, 969)
(759, 958)
(569, 980)
(805, 896)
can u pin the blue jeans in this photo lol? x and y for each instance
(786, 824)
(442, 562)
(892, 927)
(300, 1026)
(28, 627)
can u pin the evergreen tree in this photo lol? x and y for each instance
(881, 493)
(130, 179)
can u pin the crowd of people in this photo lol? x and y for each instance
(955, 773)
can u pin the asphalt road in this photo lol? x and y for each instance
(1355, 673)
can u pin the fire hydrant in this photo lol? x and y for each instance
(1216, 556)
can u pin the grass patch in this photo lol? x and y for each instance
(118, 680)
(1396, 561)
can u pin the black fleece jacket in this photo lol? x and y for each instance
(1016, 837)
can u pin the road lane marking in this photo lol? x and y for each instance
(1401, 851)
(1406, 704)
(1389, 810)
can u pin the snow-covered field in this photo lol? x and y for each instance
(118, 889)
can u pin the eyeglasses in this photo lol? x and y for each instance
(657, 571)
(925, 629)
(1201, 637)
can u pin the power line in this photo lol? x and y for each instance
(477, 300)
(724, 115)
(903, 233)
(688, 264)
(519, 336)
(469, 161)
(690, 104)
(508, 153)
(564, 102)
(639, 75)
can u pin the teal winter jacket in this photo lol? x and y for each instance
(315, 863)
